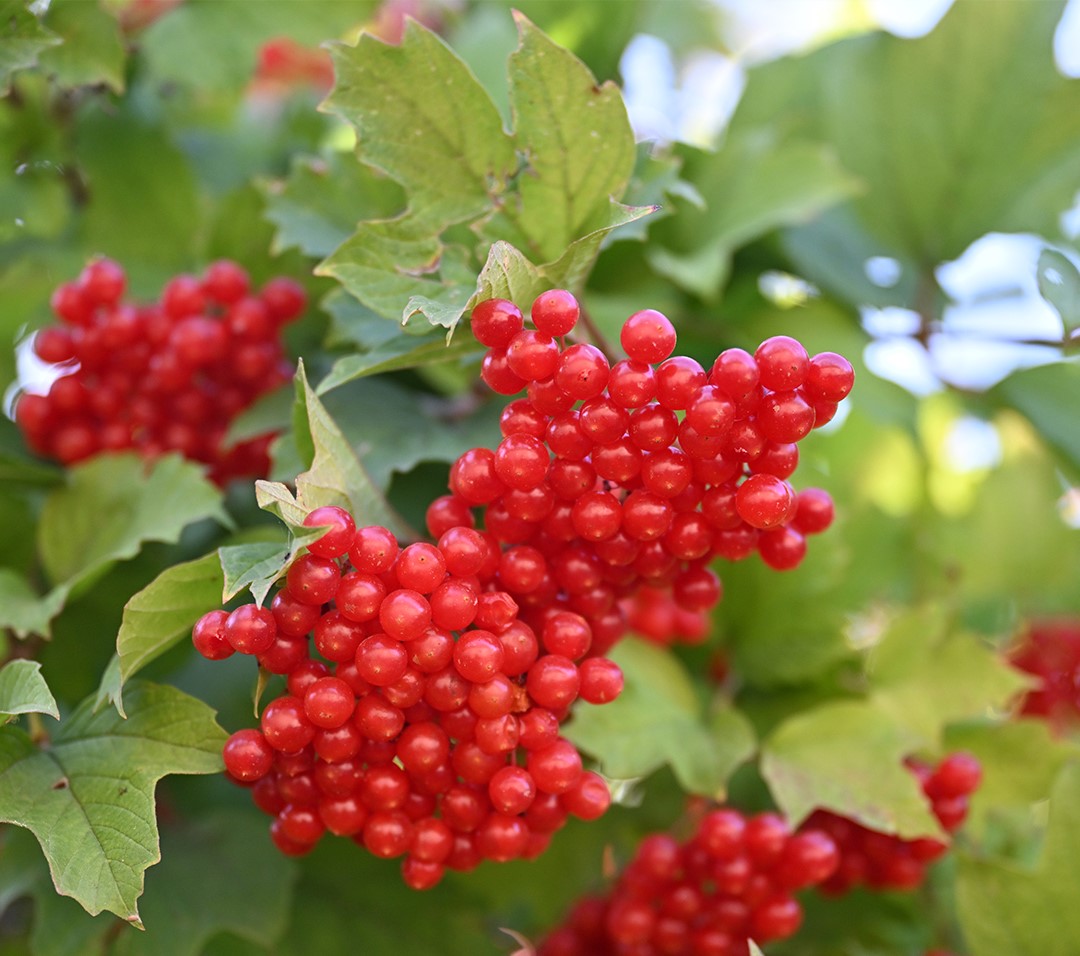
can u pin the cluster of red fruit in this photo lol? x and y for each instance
(611, 477)
(169, 376)
(422, 715)
(885, 862)
(1050, 650)
(733, 880)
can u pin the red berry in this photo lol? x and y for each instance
(495, 322)
(648, 336)
(555, 312)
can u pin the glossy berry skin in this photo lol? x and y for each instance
(208, 636)
(495, 322)
(782, 363)
(648, 336)
(338, 539)
(247, 755)
(555, 312)
(764, 501)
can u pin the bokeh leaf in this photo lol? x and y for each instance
(1003, 908)
(658, 719)
(112, 504)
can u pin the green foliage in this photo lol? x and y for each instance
(998, 904)
(89, 798)
(658, 719)
(490, 153)
(23, 690)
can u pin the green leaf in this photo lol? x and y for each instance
(926, 675)
(423, 119)
(572, 268)
(507, 274)
(136, 200)
(755, 183)
(1059, 284)
(318, 206)
(576, 138)
(159, 616)
(218, 873)
(386, 262)
(256, 566)
(1004, 909)
(410, 427)
(22, 609)
(89, 797)
(1044, 395)
(863, 779)
(1020, 758)
(658, 719)
(404, 352)
(22, 40)
(93, 48)
(998, 154)
(336, 475)
(276, 498)
(23, 690)
(113, 504)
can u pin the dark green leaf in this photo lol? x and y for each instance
(218, 873)
(1004, 909)
(23, 690)
(318, 207)
(755, 183)
(113, 504)
(658, 719)
(89, 798)
(336, 475)
(142, 212)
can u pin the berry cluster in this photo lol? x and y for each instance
(1050, 650)
(882, 861)
(610, 477)
(734, 879)
(164, 377)
(422, 715)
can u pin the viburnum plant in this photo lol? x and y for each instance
(451, 510)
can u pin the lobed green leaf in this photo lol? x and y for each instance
(864, 779)
(113, 504)
(89, 796)
(423, 119)
(659, 720)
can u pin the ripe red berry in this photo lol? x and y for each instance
(555, 312)
(648, 336)
(495, 322)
